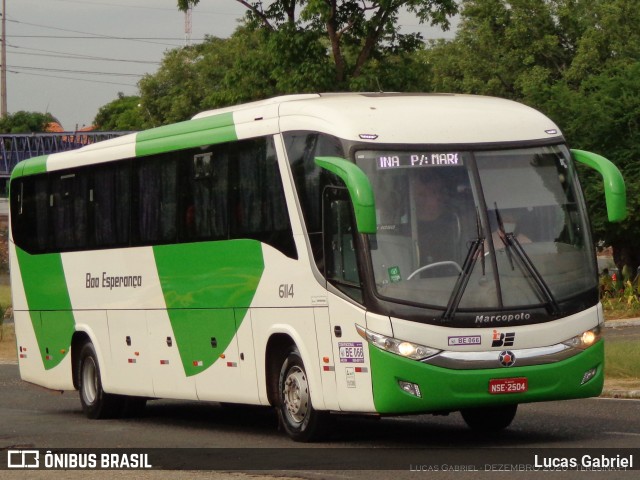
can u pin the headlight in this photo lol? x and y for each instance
(399, 347)
(585, 339)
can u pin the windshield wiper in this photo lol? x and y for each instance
(477, 246)
(511, 242)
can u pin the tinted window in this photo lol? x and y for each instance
(211, 193)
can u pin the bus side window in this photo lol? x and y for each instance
(302, 149)
(156, 206)
(258, 208)
(339, 243)
(69, 203)
(111, 200)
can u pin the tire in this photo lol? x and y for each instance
(96, 403)
(296, 414)
(489, 419)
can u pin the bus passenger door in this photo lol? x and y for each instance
(327, 363)
(350, 357)
(350, 354)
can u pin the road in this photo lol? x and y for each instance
(31, 417)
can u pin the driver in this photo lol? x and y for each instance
(438, 224)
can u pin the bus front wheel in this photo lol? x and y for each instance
(489, 419)
(296, 414)
(96, 403)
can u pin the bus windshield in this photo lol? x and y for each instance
(481, 230)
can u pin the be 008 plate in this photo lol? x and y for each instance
(498, 386)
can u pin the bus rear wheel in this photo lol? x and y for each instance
(296, 414)
(489, 419)
(96, 403)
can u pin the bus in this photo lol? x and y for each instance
(363, 253)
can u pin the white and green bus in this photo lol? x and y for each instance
(376, 254)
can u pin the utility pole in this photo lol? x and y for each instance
(187, 26)
(3, 59)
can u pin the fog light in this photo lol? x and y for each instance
(588, 375)
(410, 388)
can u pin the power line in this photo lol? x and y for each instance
(164, 9)
(74, 56)
(82, 72)
(71, 78)
(91, 35)
(110, 38)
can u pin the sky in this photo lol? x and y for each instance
(70, 57)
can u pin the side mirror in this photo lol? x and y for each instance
(359, 187)
(614, 189)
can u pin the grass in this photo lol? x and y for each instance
(622, 360)
(5, 295)
(7, 343)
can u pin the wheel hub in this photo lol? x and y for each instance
(89, 381)
(296, 394)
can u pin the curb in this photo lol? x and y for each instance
(628, 322)
(626, 394)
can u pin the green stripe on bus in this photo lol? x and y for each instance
(30, 166)
(49, 304)
(189, 134)
(208, 288)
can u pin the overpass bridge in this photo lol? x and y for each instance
(17, 147)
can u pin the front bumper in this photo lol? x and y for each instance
(444, 389)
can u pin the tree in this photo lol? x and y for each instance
(123, 114)
(242, 68)
(26, 122)
(503, 47)
(354, 30)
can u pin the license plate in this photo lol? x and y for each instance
(498, 386)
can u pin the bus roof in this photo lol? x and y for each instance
(375, 118)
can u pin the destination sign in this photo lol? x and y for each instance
(393, 160)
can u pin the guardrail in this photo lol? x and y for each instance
(17, 147)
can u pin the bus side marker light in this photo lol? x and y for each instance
(232, 364)
(222, 355)
(164, 362)
(325, 359)
(48, 357)
(132, 360)
(588, 375)
(328, 368)
(197, 363)
(410, 388)
(63, 351)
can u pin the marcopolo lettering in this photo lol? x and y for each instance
(506, 318)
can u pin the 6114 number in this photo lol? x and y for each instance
(285, 290)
